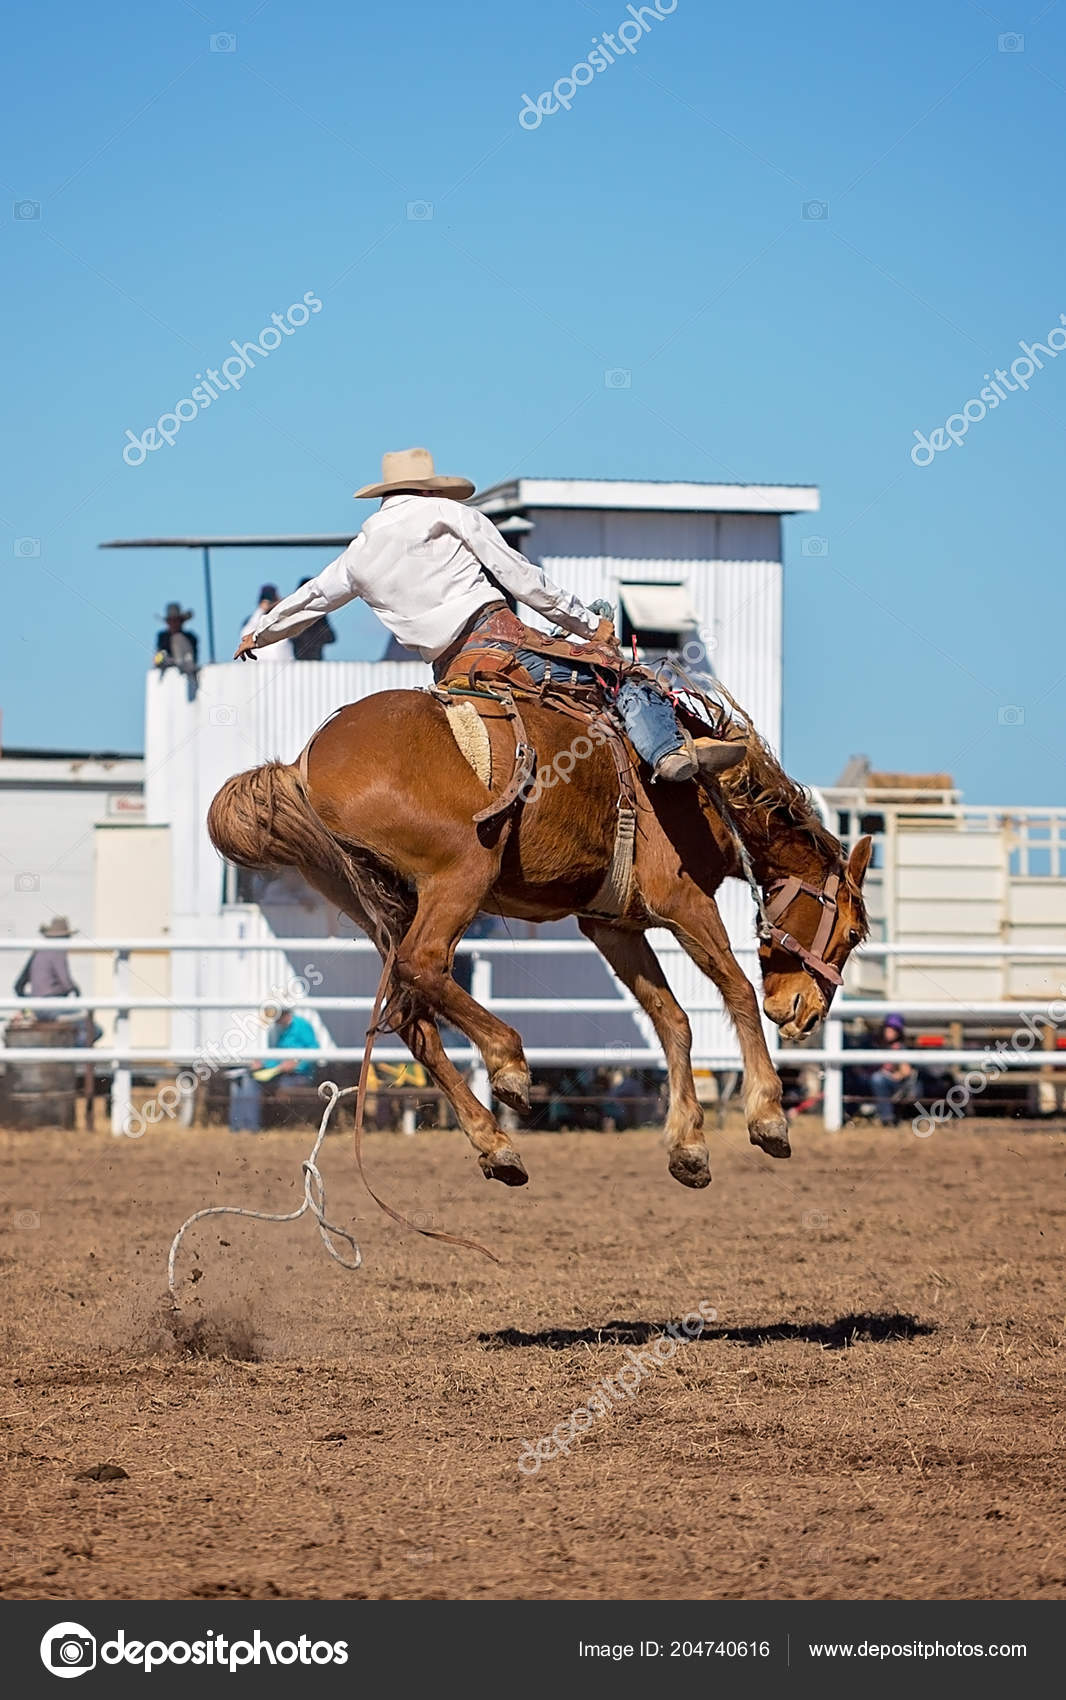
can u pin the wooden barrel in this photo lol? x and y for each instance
(40, 1094)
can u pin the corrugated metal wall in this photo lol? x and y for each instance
(730, 564)
(243, 713)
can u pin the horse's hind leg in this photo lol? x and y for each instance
(497, 1156)
(447, 903)
(638, 967)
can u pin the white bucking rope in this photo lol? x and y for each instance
(314, 1200)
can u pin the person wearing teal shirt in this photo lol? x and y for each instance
(290, 1032)
(294, 1032)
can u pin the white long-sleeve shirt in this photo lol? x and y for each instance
(418, 562)
(281, 651)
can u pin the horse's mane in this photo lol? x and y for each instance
(758, 790)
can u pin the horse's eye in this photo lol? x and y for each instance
(854, 935)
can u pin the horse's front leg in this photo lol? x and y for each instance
(697, 926)
(637, 966)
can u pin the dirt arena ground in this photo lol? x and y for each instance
(877, 1411)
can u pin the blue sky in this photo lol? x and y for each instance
(187, 193)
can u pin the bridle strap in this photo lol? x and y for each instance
(772, 910)
(785, 893)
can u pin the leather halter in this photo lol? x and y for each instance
(777, 900)
(782, 894)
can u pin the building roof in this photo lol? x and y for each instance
(662, 495)
(909, 782)
(858, 775)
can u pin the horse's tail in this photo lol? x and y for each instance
(263, 819)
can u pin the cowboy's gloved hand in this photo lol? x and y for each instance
(245, 648)
(605, 636)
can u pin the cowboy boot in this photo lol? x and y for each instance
(698, 758)
(713, 755)
(677, 766)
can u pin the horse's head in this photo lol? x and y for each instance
(815, 921)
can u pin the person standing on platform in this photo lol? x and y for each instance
(309, 644)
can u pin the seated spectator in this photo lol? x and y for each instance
(291, 1032)
(46, 973)
(893, 1083)
(173, 646)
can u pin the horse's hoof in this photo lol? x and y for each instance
(511, 1086)
(772, 1135)
(690, 1166)
(504, 1165)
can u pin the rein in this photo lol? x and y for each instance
(774, 903)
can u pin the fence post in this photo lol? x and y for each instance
(833, 1089)
(121, 1073)
(481, 992)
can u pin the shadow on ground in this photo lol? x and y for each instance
(876, 1327)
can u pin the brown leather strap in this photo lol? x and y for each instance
(495, 629)
(525, 760)
(305, 754)
(786, 891)
(445, 659)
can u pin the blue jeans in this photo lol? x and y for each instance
(646, 714)
(888, 1092)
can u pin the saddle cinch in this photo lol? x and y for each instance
(478, 681)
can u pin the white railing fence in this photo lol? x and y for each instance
(117, 1053)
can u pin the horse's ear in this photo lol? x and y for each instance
(859, 860)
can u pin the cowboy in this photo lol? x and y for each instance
(47, 972)
(423, 563)
(174, 647)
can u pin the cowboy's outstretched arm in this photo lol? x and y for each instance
(332, 588)
(526, 581)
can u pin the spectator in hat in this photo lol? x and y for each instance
(47, 972)
(268, 600)
(173, 646)
(309, 644)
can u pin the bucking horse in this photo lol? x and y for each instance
(387, 817)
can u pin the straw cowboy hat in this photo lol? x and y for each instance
(58, 928)
(412, 469)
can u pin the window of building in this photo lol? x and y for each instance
(659, 616)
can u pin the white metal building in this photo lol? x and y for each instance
(51, 804)
(678, 560)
